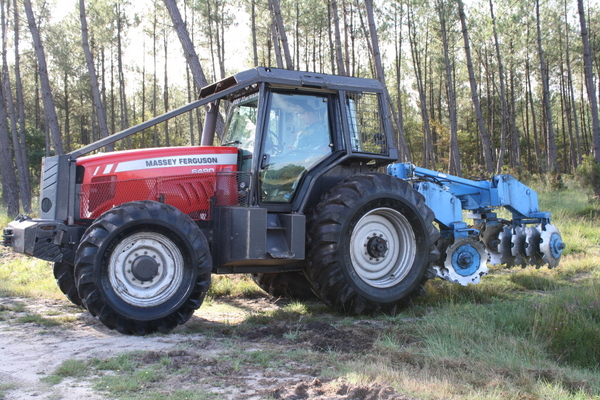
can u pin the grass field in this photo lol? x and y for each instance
(519, 334)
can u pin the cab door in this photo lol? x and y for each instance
(297, 137)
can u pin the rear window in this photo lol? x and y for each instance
(364, 118)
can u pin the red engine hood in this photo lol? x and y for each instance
(147, 163)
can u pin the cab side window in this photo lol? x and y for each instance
(240, 129)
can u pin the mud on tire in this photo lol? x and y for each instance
(371, 240)
(143, 267)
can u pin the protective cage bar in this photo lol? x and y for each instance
(191, 193)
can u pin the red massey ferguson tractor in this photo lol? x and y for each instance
(296, 194)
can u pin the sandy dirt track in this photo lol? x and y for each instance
(30, 352)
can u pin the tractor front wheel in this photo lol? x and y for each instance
(143, 267)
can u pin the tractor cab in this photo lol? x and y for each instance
(297, 129)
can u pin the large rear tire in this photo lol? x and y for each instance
(370, 243)
(143, 267)
(63, 273)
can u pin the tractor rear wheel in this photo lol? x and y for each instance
(288, 285)
(63, 273)
(371, 241)
(143, 267)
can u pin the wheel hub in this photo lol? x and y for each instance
(382, 247)
(377, 247)
(464, 260)
(144, 268)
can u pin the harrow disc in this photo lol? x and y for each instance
(465, 262)
(490, 238)
(505, 247)
(518, 246)
(551, 245)
(532, 246)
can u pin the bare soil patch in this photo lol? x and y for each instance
(213, 353)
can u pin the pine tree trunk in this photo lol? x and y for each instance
(502, 94)
(25, 200)
(122, 93)
(24, 190)
(339, 57)
(254, 41)
(427, 139)
(10, 192)
(166, 87)
(398, 65)
(220, 38)
(454, 167)
(154, 77)
(144, 92)
(346, 39)
(192, 60)
(485, 138)
(591, 89)
(551, 145)
(188, 48)
(515, 143)
(211, 45)
(536, 144)
(403, 154)
(573, 108)
(67, 128)
(189, 82)
(282, 35)
(276, 45)
(49, 110)
(98, 106)
(332, 49)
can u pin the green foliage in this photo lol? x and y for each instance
(556, 182)
(36, 150)
(4, 218)
(589, 174)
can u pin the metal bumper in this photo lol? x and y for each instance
(45, 239)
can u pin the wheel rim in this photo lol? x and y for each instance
(145, 269)
(383, 247)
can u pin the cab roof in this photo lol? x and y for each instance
(290, 78)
